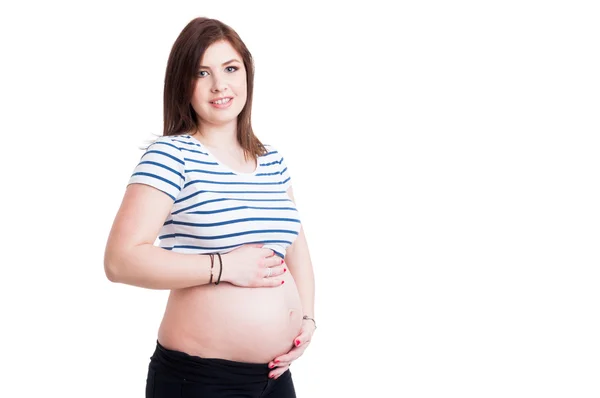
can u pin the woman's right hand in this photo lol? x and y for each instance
(248, 266)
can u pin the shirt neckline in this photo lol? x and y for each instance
(239, 173)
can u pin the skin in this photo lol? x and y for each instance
(298, 260)
(216, 78)
(252, 317)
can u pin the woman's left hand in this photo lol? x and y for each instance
(281, 363)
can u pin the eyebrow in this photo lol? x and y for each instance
(224, 63)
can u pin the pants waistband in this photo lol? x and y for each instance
(206, 370)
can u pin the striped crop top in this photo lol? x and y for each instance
(214, 208)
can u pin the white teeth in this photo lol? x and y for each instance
(222, 101)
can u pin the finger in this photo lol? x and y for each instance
(275, 271)
(274, 261)
(273, 365)
(302, 340)
(292, 355)
(281, 270)
(278, 371)
(273, 281)
(270, 261)
(281, 364)
(268, 252)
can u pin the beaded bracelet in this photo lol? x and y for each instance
(306, 317)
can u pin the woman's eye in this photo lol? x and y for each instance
(231, 69)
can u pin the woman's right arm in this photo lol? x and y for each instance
(131, 258)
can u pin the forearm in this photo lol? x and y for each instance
(305, 281)
(300, 266)
(152, 267)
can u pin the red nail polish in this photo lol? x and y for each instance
(297, 343)
(281, 261)
(271, 366)
(282, 282)
(276, 361)
(271, 376)
(285, 269)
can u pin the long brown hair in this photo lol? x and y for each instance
(186, 53)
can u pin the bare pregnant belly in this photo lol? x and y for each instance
(231, 322)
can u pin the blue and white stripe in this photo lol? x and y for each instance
(216, 209)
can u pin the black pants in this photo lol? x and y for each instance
(174, 374)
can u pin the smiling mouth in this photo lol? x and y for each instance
(221, 101)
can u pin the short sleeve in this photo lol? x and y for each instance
(162, 166)
(286, 179)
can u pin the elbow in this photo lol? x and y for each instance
(112, 269)
(111, 274)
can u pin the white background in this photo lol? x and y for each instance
(445, 160)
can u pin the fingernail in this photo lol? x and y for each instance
(285, 269)
(271, 376)
(281, 261)
(276, 361)
(271, 366)
(282, 282)
(297, 343)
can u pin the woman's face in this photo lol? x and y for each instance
(221, 76)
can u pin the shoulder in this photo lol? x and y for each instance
(275, 162)
(273, 152)
(175, 145)
(174, 142)
(165, 150)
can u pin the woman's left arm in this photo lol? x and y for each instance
(297, 258)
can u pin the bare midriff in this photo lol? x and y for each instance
(232, 322)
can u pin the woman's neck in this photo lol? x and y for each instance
(220, 137)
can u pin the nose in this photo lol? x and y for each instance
(219, 84)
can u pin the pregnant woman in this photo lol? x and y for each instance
(232, 249)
